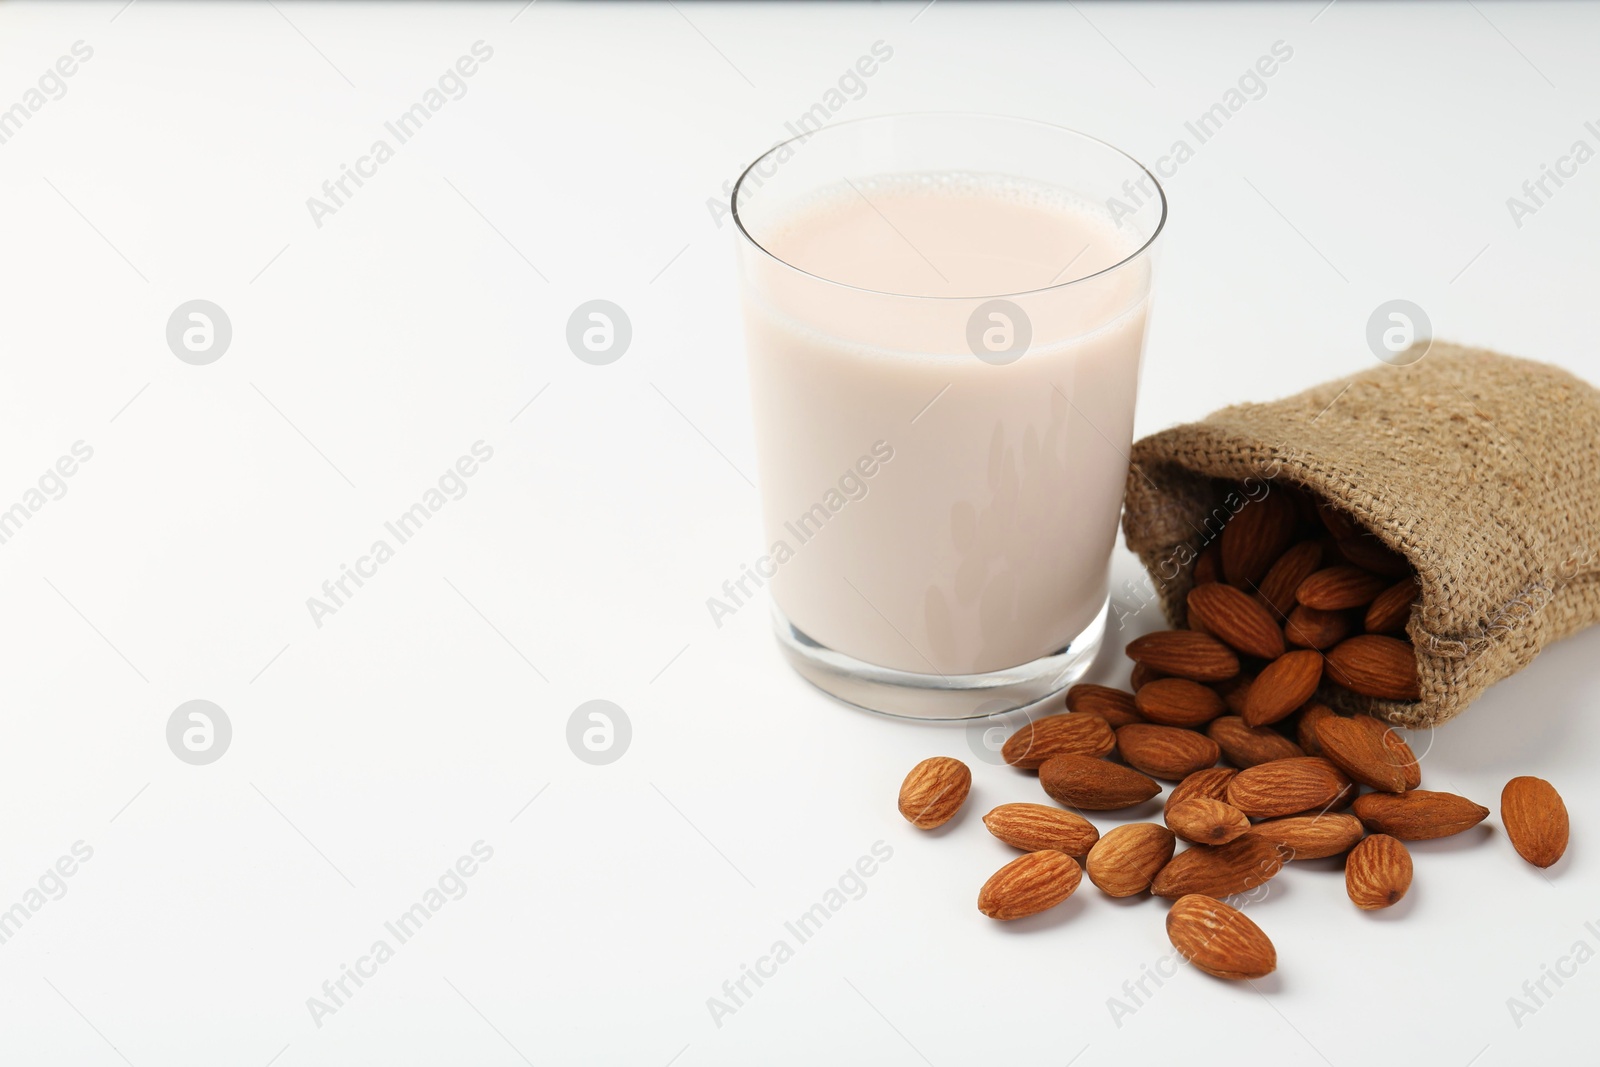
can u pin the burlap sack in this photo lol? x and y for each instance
(1481, 469)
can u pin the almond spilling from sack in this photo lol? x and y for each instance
(1294, 612)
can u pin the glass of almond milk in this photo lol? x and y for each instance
(945, 317)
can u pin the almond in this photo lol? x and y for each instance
(1419, 815)
(1037, 827)
(1234, 618)
(1166, 751)
(1535, 819)
(1376, 666)
(1210, 784)
(1113, 705)
(1306, 729)
(1219, 940)
(1123, 862)
(1287, 787)
(1370, 554)
(1029, 884)
(1370, 752)
(1236, 867)
(1246, 746)
(1178, 701)
(1339, 587)
(1312, 837)
(1310, 628)
(1199, 657)
(1390, 612)
(1377, 872)
(1094, 784)
(934, 791)
(1255, 537)
(1208, 566)
(1206, 822)
(1283, 685)
(1338, 522)
(1055, 735)
(1292, 568)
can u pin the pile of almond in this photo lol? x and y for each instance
(1291, 597)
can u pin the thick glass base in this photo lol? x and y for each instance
(933, 696)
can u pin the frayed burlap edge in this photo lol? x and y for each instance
(1481, 469)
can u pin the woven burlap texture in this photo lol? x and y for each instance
(1481, 469)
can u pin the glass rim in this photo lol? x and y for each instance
(1161, 193)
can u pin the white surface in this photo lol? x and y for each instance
(406, 728)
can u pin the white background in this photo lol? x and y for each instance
(369, 353)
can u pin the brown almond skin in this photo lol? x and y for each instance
(1168, 752)
(1368, 553)
(1255, 537)
(1306, 729)
(1178, 701)
(1390, 612)
(1219, 939)
(1418, 815)
(1206, 822)
(1245, 746)
(1339, 587)
(1037, 827)
(1535, 818)
(1292, 568)
(1122, 863)
(1056, 735)
(934, 791)
(1310, 628)
(1094, 784)
(1287, 787)
(1377, 872)
(1283, 685)
(1236, 619)
(1209, 784)
(1369, 752)
(1236, 867)
(1029, 884)
(1375, 666)
(1312, 837)
(1185, 654)
(1208, 566)
(1113, 705)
